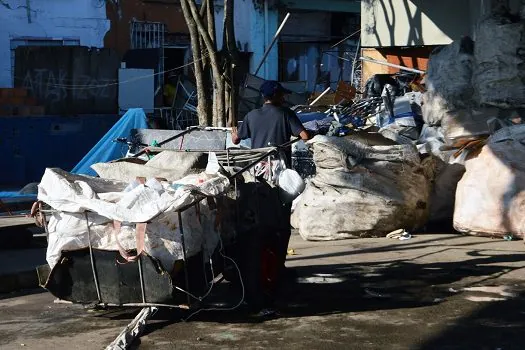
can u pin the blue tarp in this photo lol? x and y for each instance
(106, 150)
(311, 116)
(12, 195)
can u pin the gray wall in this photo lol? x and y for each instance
(387, 23)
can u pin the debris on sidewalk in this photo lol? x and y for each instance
(400, 234)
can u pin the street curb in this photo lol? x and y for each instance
(17, 281)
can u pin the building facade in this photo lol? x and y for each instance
(406, 31)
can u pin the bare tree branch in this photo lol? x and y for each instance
(202, 95)
(211, 46)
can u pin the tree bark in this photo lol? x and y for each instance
(218, 87)
(230, 52)
(202, 95)
(217, 69)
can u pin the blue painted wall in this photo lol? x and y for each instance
(28, 145)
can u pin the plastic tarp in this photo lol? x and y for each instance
(12, 195)
(106, 150)
(107, 201)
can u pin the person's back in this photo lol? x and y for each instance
(270, 126)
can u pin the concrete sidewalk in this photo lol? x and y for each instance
(430, 292)
(18, 268)
(21, 253)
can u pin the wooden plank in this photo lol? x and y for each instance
(14, 221)
(369, 69)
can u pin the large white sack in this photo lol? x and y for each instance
(76, 194)
(105, 200)
(490, 198)
(448, 81)
(362, 191)
(68, 231)
(168, 165)
(499, 76)
(449, 73)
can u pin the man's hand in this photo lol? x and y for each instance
(304, 135)
(235, 137)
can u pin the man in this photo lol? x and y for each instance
(272, 124)
(269, 126)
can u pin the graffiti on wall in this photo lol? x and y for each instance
(69, 80)
(55, 87)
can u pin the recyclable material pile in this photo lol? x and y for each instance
(446, 147)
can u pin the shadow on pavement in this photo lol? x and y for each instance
(397, 284)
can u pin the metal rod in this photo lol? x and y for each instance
(186, 277)
(253, 163)
(46, 229)
(345, 39)
(269, 48)
(355, 60)
(320, 96)
(266, 33)
(269, 153)
(92, 259)
(371, 60)
(141, 276)
(182, 306)
(187, 131)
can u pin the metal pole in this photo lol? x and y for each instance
(141, 276)
(320, 96)
(354, 62)
(186, 277)
(92, 259)
(345, 39)
(169, 139)
(269, 153)
(265, 31)
(371, 60)
(269, 48)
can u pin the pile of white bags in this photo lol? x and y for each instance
(490, 198)
(109, 201)
(362, 190)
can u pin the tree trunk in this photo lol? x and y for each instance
(231, 55)
(198, 64)
(218, 95)
(216, 69)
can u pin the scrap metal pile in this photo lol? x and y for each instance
(416, 150)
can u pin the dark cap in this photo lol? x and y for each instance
(270, 87)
